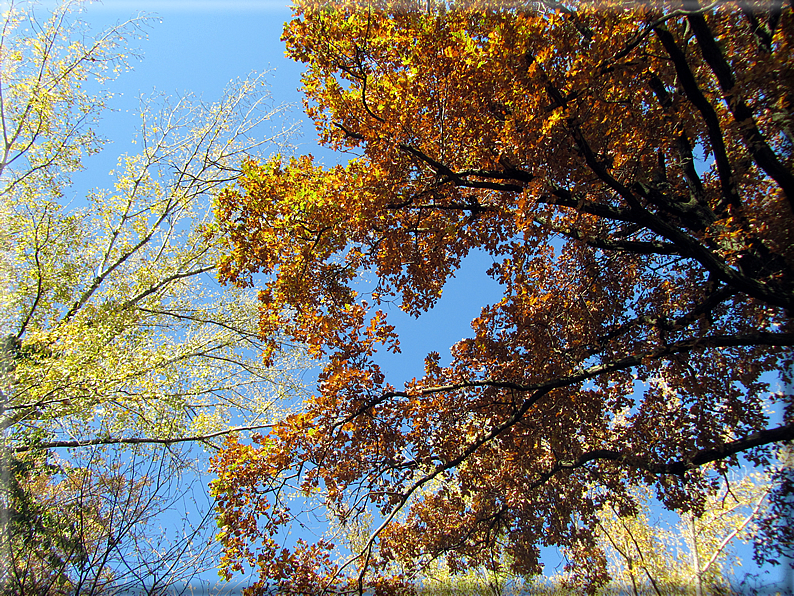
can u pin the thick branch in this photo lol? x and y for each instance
(700, 458)
(695, 95)
(694, 460)
(689, 246)
(99, 279)
(712, 341)
(633, 246)
(764, 32)
(565, 198)
(461, 178)
(164, 282)
(762, 154)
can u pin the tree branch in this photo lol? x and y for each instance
(460, 178)
(762, 154)
(633, 246)
(695, 95)
(137, 440)
(713, 341)
(690, 462)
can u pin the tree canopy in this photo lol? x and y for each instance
(118, 344)
(629, 170)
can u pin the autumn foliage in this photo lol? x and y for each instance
(630, 173)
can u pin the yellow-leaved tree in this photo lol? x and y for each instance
(120, 350)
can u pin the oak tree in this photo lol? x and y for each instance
(629, 170)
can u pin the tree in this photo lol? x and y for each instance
(93, 524)
(692, 554)
(646, 553)
(119, 346)
(629, 170)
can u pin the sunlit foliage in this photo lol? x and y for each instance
(117, 342)
(628, 169)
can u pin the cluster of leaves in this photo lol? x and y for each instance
(117, 340)
(47, 539)
(647, 292)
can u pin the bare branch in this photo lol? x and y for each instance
(138, 440)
